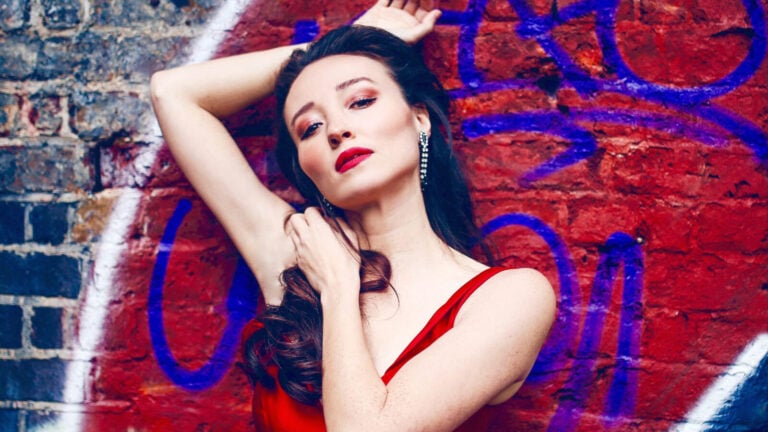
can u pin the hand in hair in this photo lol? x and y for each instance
(410, 20)
(327, 257)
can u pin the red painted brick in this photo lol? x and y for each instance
(733, 227)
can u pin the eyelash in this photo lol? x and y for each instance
(309, 130)
(362, 102)
(357, 103)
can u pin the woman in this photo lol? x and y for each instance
(414, 336)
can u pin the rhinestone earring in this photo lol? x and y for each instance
(424, 157)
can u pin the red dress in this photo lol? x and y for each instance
(274, 410)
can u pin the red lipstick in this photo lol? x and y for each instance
(349, 158)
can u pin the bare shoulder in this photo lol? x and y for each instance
(514, 289)
(514, 295)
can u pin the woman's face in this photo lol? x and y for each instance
(356, 136)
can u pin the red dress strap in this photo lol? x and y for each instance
(442, 321)
(274, 410)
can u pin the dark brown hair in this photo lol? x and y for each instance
(291, 336)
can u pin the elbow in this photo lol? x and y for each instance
(159, 87)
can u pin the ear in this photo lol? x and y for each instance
(421, 117)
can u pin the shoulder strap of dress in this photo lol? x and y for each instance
(442, 321)
(454, 304)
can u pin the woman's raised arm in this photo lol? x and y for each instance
(188, 102)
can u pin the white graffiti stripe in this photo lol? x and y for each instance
(723, 388)
(99, 289)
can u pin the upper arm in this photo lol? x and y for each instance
(491, 347)
(252, 215)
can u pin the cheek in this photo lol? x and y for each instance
(312, 161)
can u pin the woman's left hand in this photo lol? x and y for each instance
(330, 264)
(410, 20)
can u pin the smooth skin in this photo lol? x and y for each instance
(499, 331)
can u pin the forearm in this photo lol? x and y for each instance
(353, 393)
(223, 86)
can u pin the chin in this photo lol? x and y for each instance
(355, 197)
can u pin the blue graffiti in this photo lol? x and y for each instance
(241, 307)
(690, 101)
(619, 249)
(553, 355)
(305, 31)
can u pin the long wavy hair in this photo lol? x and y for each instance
(291, 334)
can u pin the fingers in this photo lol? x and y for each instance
(429, 21)
(411, 6)
(397, 4)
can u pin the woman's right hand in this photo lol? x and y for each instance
(410, 20)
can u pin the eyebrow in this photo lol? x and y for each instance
(339, 87)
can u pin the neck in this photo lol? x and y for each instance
(398, 227)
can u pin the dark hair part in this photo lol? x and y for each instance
(292, 333)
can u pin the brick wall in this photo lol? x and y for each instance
(73, 101)
(618, 146)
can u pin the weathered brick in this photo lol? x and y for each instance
(61, 14)
(48, 168)
(91, 217)
(11, 222)
(47, 328)
(9, 420)
(136, 58)
(46, 113)
(654, 12)
(14, 14)
(131, 12)
(9, 113)
(99, 115)
(40, 275)
(733, 227)
(62, 56)
(19, 57)
(10, 326)
(49, 223)
(37, 380)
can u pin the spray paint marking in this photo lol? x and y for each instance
(691, 101)
(724, 388)
(619, 249)
(241, 308)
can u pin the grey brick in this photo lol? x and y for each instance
(136, 58)
(9, 420)
(37, 380)
(11, 222)
(14, 14)
(40, 275)
(59, 57)
(49, 168)
(10, 326)
(46, 328)
(46, 113)
(49, 223)
(19, 57)
(131, 12)
(61, 14)
(97, 116)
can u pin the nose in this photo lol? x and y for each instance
(338, 132)
(335, 138)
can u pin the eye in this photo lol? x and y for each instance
(362, 102)
(309, 131)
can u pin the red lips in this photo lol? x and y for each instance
(349, 158)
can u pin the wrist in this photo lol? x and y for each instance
(342, 294)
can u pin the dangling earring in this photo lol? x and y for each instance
(424, 158)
